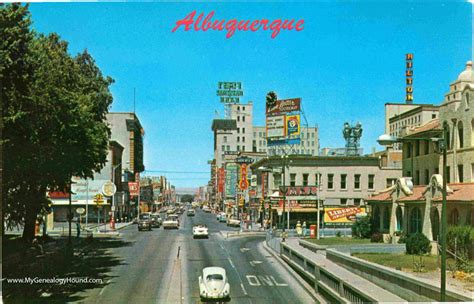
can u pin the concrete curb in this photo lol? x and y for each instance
(242, 234)
(297, 277)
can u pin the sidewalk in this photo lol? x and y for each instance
(103, 230)
(363, 286)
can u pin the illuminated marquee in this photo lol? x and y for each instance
(409, 76)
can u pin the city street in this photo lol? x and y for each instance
(163, 266)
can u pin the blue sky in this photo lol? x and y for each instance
(345, 65)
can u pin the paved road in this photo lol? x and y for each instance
(152, 271)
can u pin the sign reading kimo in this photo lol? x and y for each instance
(283, 106)
(342, 215)
(229, 92)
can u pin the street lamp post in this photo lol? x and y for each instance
(387, 140)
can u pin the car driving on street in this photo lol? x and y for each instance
(171, 221)
(200, 231)
(156, 220)
(232, 221)
(213, 284)
(144, 221)
(191, 212)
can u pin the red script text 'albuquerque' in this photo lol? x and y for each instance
(233, 25)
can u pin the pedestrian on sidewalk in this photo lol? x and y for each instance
(304, 229)
(78, 227)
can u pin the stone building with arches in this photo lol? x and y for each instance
(413, 204)
(407, 208)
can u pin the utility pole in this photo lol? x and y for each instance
(443, 214)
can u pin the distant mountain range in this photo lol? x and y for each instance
(186, 190)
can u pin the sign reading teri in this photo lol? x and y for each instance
(229, 92)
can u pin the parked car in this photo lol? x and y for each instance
(213, 284)
(171, 221)
(200, 231)
(191, 212)
(206, 209)
(156, 220)
(232, 221)
(144, 221)
(223, 218)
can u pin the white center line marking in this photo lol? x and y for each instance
(243, 289)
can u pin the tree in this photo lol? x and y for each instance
(187, 198)
(54, 122)
(362, 228)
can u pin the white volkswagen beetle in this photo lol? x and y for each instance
(213, 284)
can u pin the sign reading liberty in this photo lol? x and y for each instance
(352, 136)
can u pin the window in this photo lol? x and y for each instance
(293, 179)
(243, 108)
(228, 148)
(318, 179)
(448, 174)
(238, 130)
(243, 130)
(460, 135)
(238, 108)
(357, 201)
(467, 100)
(409, 145)
(238, 118)
(357, 181)
(238, 148)
(390, 182)
(225, 139)
(330, 181)
(371, 181)
(243, 118)
(305, 179)
(460, 173)
(343, 181)
(243, 138)
(238, 138)
(223, 148)
(427, 147)
(427, 177)
(343, 201)
(276, 180)
(417, 177)
(243, 148)
(415, 220)
(454, 217)
(417, 148)
(433, 116)
(386, 219)
(436, 171)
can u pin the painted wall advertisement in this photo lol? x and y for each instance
(340, 216)
(231, 180)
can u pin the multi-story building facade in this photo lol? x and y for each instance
(403, 116)
(410, 209)
(343, 181)
(309, 144)
(422, 158)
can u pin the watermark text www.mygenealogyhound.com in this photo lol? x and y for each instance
(54, 280)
